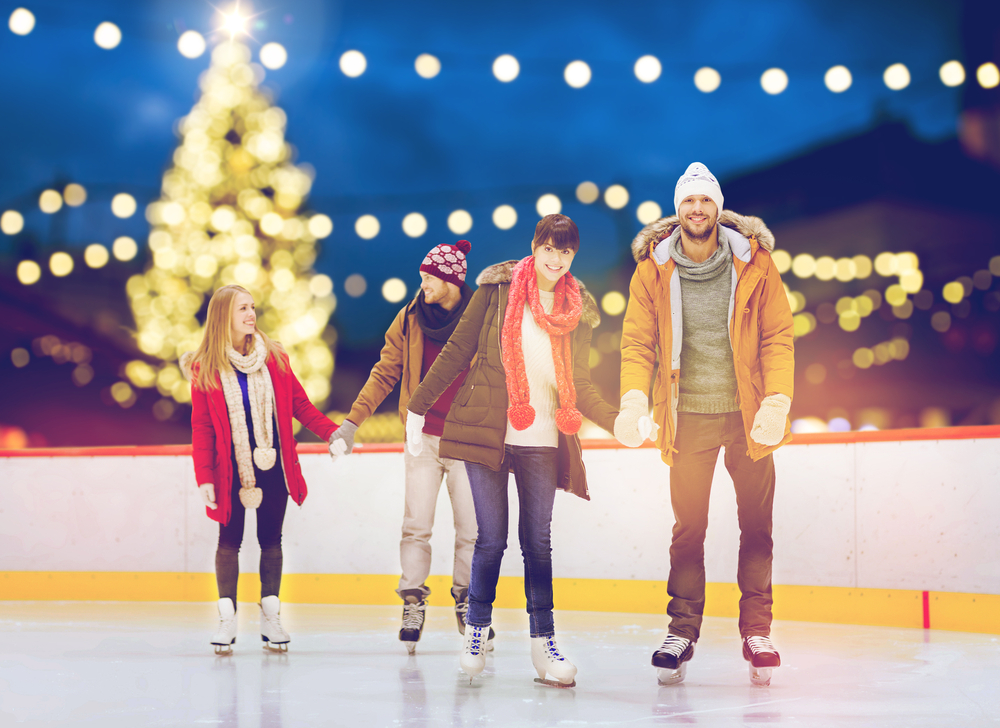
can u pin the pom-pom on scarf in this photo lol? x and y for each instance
(261, 393)
(559, 325)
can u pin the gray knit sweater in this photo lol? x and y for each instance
(708, 376)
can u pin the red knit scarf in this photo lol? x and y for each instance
(559, 325)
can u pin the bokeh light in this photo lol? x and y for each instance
(648, 69)
(577, 74)
(50, 201)
(896, 77)
(953, 292)
(952, 74)
(273, 56)
(838, 79)
(321, 285)
(123, 205)
(460, 222)
(367, 227)
(353, 63)
(506, 68)
(107, 36)
(414, 225)
(191, 44)
(774, 81)
(988, 75)
(613, 303)
(355, 285)
(782, 261)
(616, 197)
(587, 192)
(61, 264)
(11, 222)
(124, 248)
(548, 204)
(707, 80)
(648, 212)
(96, 255)
(394, 290)
(427, 66)
(74, 195)
(505, 217)
(28, 272)
(22, 21)
(803, 265)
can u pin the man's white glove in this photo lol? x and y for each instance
(633, 423)
(342, 440)
(207, 491)
(769, 424)
(414, 433)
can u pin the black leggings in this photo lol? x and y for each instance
(270, 516)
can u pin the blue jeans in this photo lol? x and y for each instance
(535, 473)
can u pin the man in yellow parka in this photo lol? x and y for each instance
(708, 300)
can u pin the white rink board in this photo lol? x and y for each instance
(921, 515)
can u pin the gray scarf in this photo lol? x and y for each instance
(706, 270)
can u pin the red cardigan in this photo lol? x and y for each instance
(212, 438)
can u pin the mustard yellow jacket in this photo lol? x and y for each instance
(760, 326)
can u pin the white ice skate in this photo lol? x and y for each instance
(272, 634)
(473, 658)
(671, 660)
(763, 658)
(461, 611)
(225, 636)
(547, 659)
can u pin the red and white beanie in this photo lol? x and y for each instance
(447, 262)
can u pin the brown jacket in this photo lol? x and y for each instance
(760, 326)
(476, 426)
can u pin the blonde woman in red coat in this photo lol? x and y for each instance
(243, 397)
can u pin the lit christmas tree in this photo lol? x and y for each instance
(231, 212)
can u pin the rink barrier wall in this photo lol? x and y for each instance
(928, 485)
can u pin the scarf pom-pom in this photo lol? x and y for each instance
(568, 420)
(265, 457)
(251, 497)
(521, 416)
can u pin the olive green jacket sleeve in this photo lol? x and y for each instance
(588, 400)
(456, 355)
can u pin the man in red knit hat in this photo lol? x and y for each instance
(412, 343)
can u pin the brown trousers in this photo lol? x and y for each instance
(698, 440)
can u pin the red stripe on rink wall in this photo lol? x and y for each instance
(816, 438)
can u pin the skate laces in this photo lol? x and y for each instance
(413, 616)
(758, 644)
(475, 638)
(552, 650)
(674, 645)
(461, 609)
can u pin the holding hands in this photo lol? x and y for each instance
(633, 424)
(342, 441)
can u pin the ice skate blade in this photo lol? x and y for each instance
(760, 676)
(666, 676)
(411, 647)
(554, 683)
(223, 650)
(274, 646)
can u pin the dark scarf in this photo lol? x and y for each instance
(435, 321)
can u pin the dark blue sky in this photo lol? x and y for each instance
(389, 142)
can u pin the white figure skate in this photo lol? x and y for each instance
(272, 634)
(225, 636)
(473, 658)
(671, 660)
(763, 658)
(547, 659)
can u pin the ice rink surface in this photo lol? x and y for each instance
(133, 664)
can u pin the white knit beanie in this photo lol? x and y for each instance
(697, 180)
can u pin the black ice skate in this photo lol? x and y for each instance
(671, 659)
(413, 618)
(461, 610)
(760, 653)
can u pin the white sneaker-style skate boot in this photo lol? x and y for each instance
(763, 658)
(671, 659)
(272, 634)
(473, 658)
(225, 636)
(547, 659)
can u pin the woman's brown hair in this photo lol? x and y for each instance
(560, 230)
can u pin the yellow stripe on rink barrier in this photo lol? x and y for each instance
(836, 605)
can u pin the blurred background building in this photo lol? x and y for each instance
(315, 150)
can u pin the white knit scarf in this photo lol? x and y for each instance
(261, 392)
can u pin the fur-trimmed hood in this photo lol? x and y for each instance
(504, 273)
(746, 225)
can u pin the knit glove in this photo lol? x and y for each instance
(769, 424)
(342, 440)
(633, 423)
(207, 491)
(414, 433)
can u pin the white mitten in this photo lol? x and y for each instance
(633, 423)
(207, 491)
(769, 424)
(338, 447)
(414, 433)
